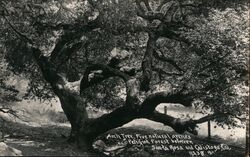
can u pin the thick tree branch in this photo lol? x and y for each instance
(212, 117)
(72, 36)
(48, 70)
(168, 60)
(97, 73)
(126, 114)
(106, 122)
(103, 72)
(180, 126)
(67, 51)
(147, 63)
(153, 100)
(162, 72)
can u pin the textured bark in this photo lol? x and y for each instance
(95, 127)
(177, 124)
(72, 104)
(74, 108)
(151, 102)
(147, 63)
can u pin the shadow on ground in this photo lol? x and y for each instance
(45, 140)
(50, 140)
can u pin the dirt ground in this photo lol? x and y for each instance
(49, 140)
(44, 132)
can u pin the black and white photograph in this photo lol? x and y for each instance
(124, 78)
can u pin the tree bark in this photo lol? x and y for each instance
(74, 109)
(71, 103)
(147, 62)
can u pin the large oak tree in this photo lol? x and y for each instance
(129, 57)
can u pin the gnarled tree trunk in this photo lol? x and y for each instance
(83, 129)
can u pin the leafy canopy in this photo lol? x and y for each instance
(212, 64)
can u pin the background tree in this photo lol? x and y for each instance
(130, 56)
